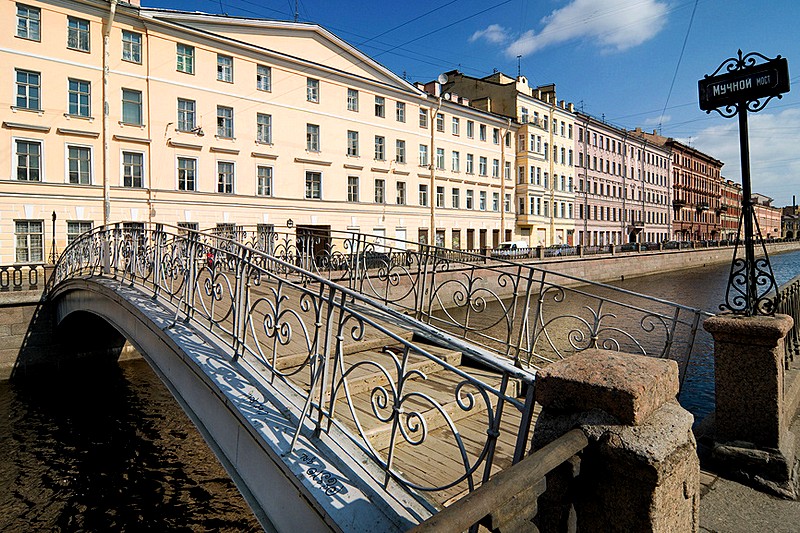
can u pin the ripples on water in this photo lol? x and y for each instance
(108, 449)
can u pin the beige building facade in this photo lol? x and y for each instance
(545, 160)
(222, 122)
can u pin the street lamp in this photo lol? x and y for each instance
(53, 254)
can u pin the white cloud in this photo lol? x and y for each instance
(774, 163)
(494, 33)
(656, 121)
(612, 25)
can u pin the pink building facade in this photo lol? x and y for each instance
(623, 192)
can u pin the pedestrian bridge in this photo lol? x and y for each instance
(346, 381)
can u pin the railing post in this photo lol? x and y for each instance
(640, 471)
(240, 297)
(751, 431)
(159, 239)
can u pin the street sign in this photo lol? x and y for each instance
(747, 84)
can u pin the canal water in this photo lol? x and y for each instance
(109, 449)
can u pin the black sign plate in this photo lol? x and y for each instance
(748, 84)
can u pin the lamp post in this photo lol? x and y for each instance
(53, 253)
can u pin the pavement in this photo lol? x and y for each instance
(727, 506)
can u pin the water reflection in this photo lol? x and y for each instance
(108, 449)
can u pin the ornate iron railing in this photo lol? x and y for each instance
(283, 322)
(522, 312)
(789, 304)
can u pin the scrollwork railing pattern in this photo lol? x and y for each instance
(288, 323)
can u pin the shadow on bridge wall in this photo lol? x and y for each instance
(44, 348)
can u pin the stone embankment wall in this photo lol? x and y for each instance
(604, 268)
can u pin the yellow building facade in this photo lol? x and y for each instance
(219, 121)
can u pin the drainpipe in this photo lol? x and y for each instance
(503, 181)
(432, 161)
(106, 129)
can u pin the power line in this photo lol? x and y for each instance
(677, 67)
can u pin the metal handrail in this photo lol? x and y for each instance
(789, 304)
(508, 484)
(264, 308)
(519, 311)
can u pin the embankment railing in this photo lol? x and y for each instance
(789, 304)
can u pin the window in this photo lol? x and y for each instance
(470, 201)
(440, 158)
(423, 155)
(28, 89)
(131, 46)
(132, 107)
(423, 195)
(225, 177)
(440, 122)
(185, 58)
(401, 193)
(482, 132)
(30, 241)
(495, 201)
(482, 166)
(482, 201)
(440, 196)
(132, 169)
(29, 160)
(470, 129)
(400, 112)
(495, 136)
(78, 34)
(423, 118)
(312, 137)
(312, 90)
(313, 185)
(224, 122)
(263, 180)
(380, 191)
(400, 151)
(456, 198)
(380, 106)
(75, 228)
(470, 164)
(263, 78)
(456, 126)
(224, 68)
(380, 148)
(264, 128)
(507, 203)
(352, 100)
(352, 188)
(186, 115)
(495, 168)
(352, 143)
(187, 174)
(79, 98)
(79, 165)
(28, 22)
(456, 163)
(507, 172)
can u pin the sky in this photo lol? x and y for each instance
(629, 62)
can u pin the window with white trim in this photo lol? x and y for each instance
(79, 98)
(133, 169)
(78, 34)
(28, 89)
(312, 90)
(225, 177)
(76, 228)
(131, 46)
(28, 22)
(313, 185)
(186, 115)
(184, 58)
(264, 78)
(352, 100)
(264, 180)
(29, 160)
(187, 174)
(132, 107)
(29, 237)
(225, 68)
(264, 128)
(79, 165)
(312, 137)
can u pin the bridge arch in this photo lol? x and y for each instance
(256, 470)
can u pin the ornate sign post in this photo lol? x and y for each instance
(746, 86)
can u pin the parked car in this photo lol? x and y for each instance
(511, 249)
(629, 247)
(671, 245)
(556, 250)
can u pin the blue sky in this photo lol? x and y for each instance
(614, 59)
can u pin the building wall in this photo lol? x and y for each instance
(623, 186)
(298, 53)
(545, 162)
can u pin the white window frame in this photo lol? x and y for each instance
(187, 52)
(266, 189)
(28, 247)
(312, 90)
(352, 100)
(122, 153)
(182, 124)
(233, 176)
(67, 146)
(313, 141)
(309, 193)
(32, 26)
(225, 68)
(87, 94)
(264, 79)
(15, 159)
(75, 34)
(196, 160)
(400, 112)
(264, 130)
(131, 46)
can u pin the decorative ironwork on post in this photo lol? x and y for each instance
(53, 251)
(746, 86)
